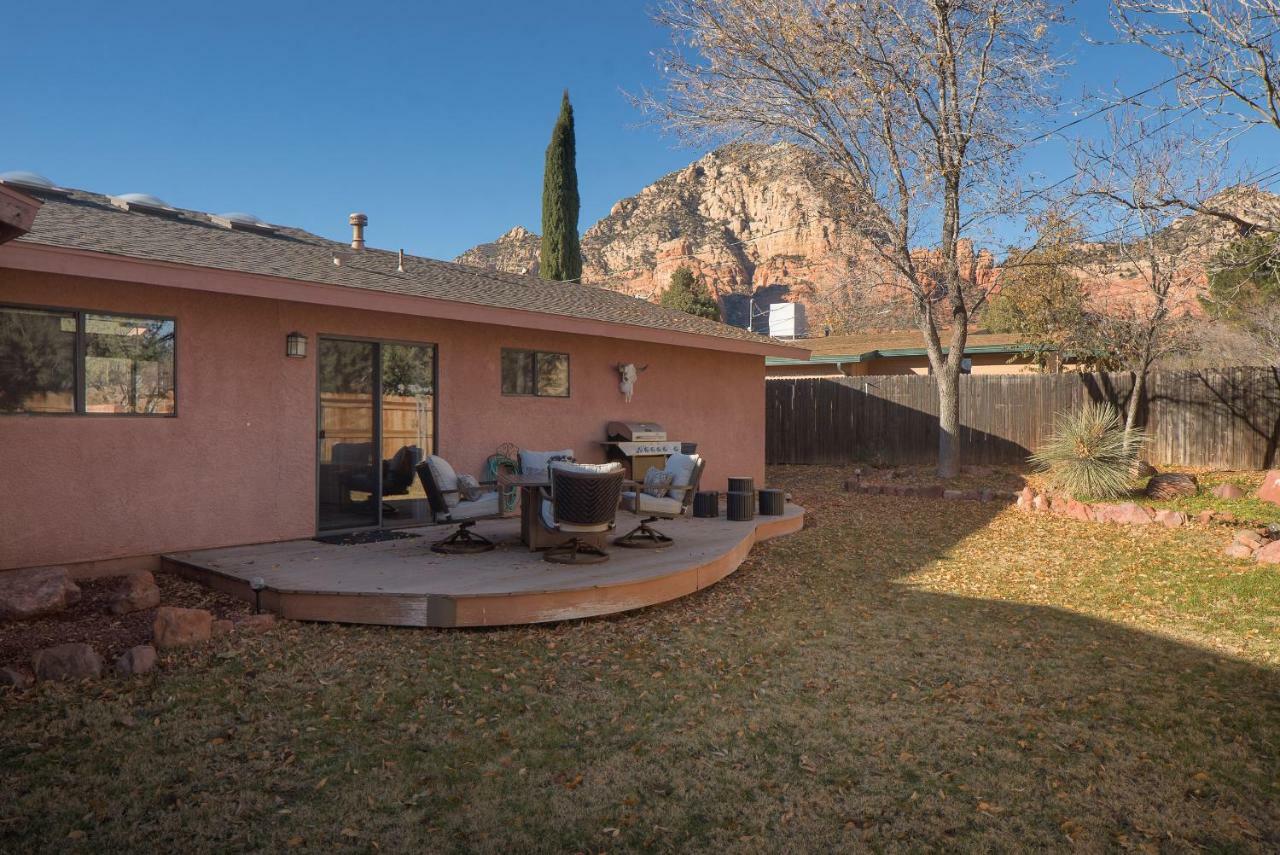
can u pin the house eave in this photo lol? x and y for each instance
(36, 257)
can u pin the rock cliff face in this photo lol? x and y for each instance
(746, 217)
(757, 223)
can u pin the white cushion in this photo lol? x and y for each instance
(485, 506)
(587, 467)
(651, 504)
(446, 479)
(681, 468)
(537, 461)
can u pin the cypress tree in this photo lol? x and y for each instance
(561, 256)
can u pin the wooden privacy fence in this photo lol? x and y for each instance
(1221, 418)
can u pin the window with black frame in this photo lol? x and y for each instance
(68, 361)
(544, 374)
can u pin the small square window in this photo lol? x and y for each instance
(533, 372)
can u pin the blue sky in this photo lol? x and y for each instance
(430, 117)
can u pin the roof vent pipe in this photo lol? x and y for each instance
(358, 222)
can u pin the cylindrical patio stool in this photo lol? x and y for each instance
(741, 506)
(706, 504)
(741, 484)
(773, 503)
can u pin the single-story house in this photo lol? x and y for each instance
(175, 380)
(898, 353)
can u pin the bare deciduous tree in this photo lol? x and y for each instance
(1126, 183)
(914, 107)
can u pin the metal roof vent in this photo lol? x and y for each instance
(32, 181)
(142, 202)
(240, 221)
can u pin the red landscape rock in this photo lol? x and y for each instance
(1172, 485)
(1026, 496)
(39, 591)
(256, 623)
(66, 662)
(1204, 517)
(1269, 554)
(1250, 538)
(1228, 491)
(1128, 513)
(176, 627)
(1171, 519)
(1238, 550)
(138, 591)
(1073, 509)
(1040, 502)
(136, 660)
(14, 678)
(1270, 489)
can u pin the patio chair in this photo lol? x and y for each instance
(583, 505)
(397, 475)
(441, 484)
(686, 471)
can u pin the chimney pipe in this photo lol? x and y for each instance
(358, 222)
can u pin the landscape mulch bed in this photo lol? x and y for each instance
(90, 620)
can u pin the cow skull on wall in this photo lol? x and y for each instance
(627, 374)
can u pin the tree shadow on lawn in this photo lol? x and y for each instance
(816, 699)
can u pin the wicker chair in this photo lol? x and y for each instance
(465, 512)
(583, 505)
(669, 507)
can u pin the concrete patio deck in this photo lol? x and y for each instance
(402, 582)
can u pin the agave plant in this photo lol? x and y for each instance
(1089, 454)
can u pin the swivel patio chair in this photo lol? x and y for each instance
(441, 485)
(583, 505)
(397, 475)
(686, 471)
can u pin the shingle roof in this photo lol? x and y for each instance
(89, 221)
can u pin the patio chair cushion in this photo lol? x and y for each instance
(469, 488)
(569, 466)
(485, 506)
(657, 482)
(533, 462)
(549, 520)
(681, 468)
(446, 479)
(643, 503)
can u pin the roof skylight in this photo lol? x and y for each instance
(24, 180)
(242, 220)
(142, 202)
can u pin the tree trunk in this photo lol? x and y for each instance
(1135, 400)
(949, 423)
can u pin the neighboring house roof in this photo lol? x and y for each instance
(863, 347)
(89, 222)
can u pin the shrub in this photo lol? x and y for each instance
(1087, 456)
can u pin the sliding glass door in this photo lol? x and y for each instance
(376, 422)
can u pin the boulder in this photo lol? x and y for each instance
(176, 627)
(14, 678)
(1071, 508)
(1026, 496)
(1238, 550)
(136, 660)
(1205, 517)
(1228, 491)
(1171, 519)
(1269, 554)
(1250, 538)
(137, 591)
(1270, 489)
(38, 591)
(1127, 513)
(1172, 485)
(223, 627)
(66, 662)
(256, 623)
(1040, 502)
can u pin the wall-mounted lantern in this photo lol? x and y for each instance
(295, 345)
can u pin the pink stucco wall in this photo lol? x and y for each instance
(237, 465)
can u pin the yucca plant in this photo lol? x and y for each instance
(1089, 454)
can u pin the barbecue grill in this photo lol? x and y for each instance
(638, 446)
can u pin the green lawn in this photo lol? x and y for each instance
(904, 674)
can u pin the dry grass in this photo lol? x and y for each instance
(905, 674)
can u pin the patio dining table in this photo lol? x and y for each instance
(530, 487)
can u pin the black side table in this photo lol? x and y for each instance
(706, 504)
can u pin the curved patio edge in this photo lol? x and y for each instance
(622, 590)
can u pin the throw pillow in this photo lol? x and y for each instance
(469, 488)
(657, 482)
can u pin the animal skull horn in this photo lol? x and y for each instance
(627, 372)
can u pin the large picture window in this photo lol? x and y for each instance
(66, 361)
(535, 372)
